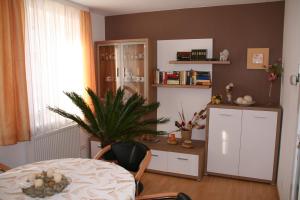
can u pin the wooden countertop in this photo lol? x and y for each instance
(254, 107)
(198, 146)
(162, 145)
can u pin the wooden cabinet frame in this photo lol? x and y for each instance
(149, 64)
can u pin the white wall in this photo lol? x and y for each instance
(98, 26)
(171, 99)
(289, 98)
(14, 155)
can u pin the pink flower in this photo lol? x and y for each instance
(272, 77)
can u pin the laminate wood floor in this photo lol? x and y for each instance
(209, 188)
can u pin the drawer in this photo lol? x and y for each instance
(183, 163)
(158, 160)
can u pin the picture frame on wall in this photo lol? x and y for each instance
(257, 58)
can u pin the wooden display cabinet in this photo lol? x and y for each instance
(127, 64)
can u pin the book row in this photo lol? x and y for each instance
(183, 77)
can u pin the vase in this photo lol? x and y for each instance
(186, 135)
(270, 94)
(229, 97)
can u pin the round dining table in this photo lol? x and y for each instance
(90, 179)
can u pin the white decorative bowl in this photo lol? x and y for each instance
(247, 104)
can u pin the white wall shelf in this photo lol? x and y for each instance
(200, 62)
(182, 86)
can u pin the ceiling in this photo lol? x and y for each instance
(118, 7)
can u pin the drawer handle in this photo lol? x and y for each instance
(182, 159)
(226, 115)
(154, 155)
(259, 117)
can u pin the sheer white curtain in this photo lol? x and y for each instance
(53, 60)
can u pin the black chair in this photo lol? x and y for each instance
(131, 155)
(165, 196)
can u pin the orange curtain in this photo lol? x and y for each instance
(88, 51)
(14, 115)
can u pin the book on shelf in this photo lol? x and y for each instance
(190, 77)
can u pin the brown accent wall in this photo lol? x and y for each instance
(235, 28)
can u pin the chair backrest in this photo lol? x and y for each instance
(3, 168)
(129, 154)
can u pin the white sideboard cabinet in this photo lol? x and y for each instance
(243, 142)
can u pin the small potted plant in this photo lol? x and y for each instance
(186, 127)
(115, 118)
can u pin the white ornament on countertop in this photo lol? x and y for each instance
(248, 98)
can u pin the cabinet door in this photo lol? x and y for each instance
(133, 68)
(107, 70)
(224, 141)
(258, 144)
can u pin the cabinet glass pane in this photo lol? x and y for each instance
(133, 63)
(108, 70)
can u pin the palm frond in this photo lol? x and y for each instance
(85, 109)
(114, 118)
(73, 117)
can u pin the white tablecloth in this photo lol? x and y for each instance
(90, 179)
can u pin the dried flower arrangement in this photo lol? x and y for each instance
(274, 72)
(184, 125)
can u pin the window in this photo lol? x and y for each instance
(54, 61)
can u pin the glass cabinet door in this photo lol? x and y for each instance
(133, 68)
(108, 69)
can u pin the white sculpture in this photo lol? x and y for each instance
(224, 55)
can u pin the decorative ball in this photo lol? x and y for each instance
(244, 101)
(57, 177)
(239, 100)
(38, 183)
(248, 98)
(50, 173)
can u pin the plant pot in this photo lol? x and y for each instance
(186, 135)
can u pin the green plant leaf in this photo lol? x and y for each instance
(114, 118)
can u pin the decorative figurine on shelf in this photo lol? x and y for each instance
(274, 72)
(229, 89)
(224, 55)
(186, 127)
(216, 99)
